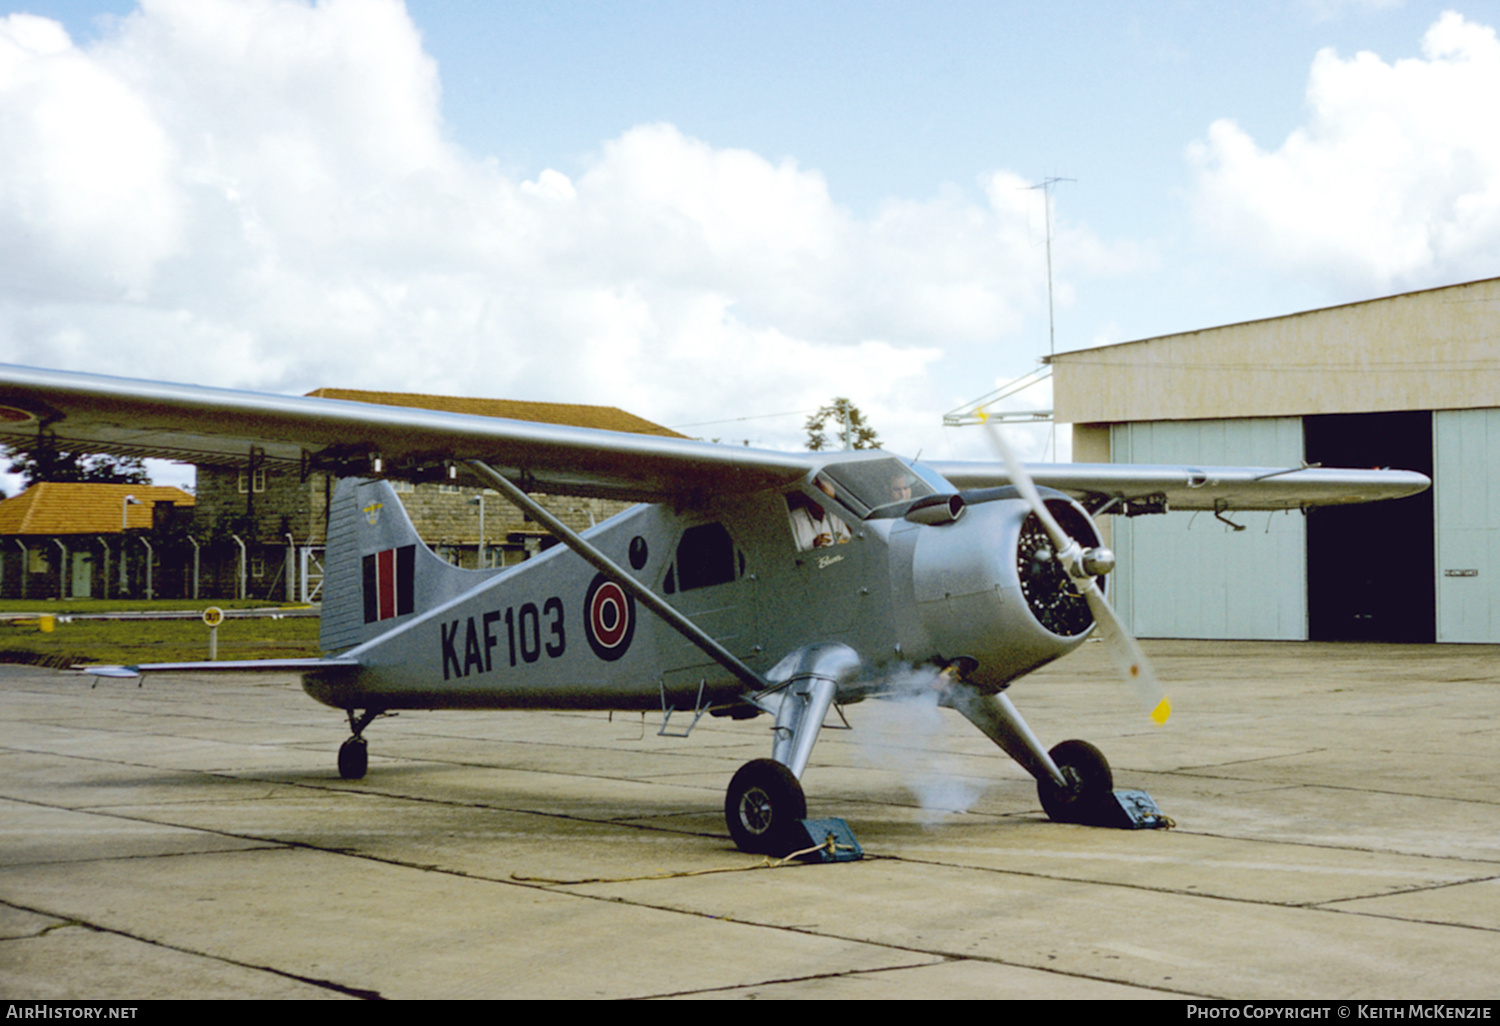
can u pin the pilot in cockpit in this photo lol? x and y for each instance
(814, 527)
(900, 485)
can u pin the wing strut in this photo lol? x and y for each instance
(609, 568)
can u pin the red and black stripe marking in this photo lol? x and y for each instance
(388, 583)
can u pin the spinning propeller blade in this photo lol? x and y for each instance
(1121, 645)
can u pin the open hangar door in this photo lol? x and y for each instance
(1370, 568)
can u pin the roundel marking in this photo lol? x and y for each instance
(12, 415)
(609, 618)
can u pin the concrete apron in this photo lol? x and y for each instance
(1338, 836)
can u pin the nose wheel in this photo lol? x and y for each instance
(762, 807)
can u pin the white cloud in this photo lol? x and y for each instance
(260, 193)
(87, 209)
(1394, 182)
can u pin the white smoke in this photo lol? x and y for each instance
(910, 735)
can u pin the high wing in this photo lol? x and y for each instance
(195, 424)
(1098, 485)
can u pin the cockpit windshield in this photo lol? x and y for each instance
(867, 485)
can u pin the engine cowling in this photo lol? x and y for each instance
(990, 592)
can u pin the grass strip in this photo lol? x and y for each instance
(128, 642)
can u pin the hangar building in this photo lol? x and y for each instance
(1410, 381)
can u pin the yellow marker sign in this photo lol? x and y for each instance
(213, 616)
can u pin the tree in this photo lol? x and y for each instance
(44, 462)
(846, 417)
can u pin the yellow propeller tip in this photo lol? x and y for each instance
(1162, 712)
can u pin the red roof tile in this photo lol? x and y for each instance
(607, 418)
(58, 508)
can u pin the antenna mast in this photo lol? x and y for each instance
(975, 412)
(1046, 185)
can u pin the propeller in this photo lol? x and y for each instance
(1122, 647)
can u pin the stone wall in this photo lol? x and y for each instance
(444, 515)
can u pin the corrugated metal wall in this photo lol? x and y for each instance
(1467, 511)
(1187, 575)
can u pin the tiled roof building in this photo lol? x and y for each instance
(54, 507)
(67, 539)
(604, 418)
(281, 516)
(258, 532)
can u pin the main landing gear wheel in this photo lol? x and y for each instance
(1089, 783)
(354, 758)
(762, 807)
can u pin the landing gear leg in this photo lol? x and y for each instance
(1073, 780)
(354, 756)
(765, 798)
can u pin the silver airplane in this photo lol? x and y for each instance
(745, 582)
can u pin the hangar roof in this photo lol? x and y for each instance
(1429, 350)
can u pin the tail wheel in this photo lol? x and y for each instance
(762, 807)
(1089, 782)
(354, 758)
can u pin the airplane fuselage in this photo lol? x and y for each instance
(553, 632)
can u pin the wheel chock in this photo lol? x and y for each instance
(826, 840)
(1130, 810)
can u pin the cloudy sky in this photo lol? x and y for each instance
(719, 215)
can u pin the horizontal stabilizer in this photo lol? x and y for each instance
(226, 666)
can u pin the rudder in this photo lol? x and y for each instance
(377, 569)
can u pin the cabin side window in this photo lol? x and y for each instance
(705, 556)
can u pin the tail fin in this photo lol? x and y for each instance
(377, 570)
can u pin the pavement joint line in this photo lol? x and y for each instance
(1309, 824)
(1319, 786)
(805, 931)
(263, 846)
(847, 974)
(1387, 917)
(611, 899)
(344, 787)
(1338, 847)
(1313, 906)
(944, 956)
(941, 960)
(636, 903)
(394, 796)
(368, 995)
(275, 843)
(1415, 889)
